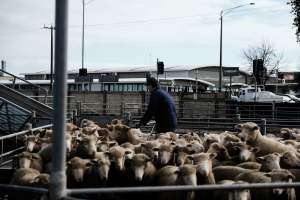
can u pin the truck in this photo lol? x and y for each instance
(256, 94)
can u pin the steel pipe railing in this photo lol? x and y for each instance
(182, 188)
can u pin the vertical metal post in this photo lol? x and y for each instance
(230, 83)
(58, 176)
(51, 61)
(157, 69)
(82, 50)
(273, 110)
(264, 126)
(221, 52)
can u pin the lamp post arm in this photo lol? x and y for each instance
(226, 11)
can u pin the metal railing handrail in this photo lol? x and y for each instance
(24, 132)
(7, 187)
(182, 188)
(28, 82)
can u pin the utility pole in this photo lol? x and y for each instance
(51, 28)
(82, 47)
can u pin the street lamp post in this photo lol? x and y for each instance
(222, 13)
(82, 47)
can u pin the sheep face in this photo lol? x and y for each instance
(248, 131)
(270, 162)
(203, 161)
(30, 142)
(289, 160)
(138, 164)
(77, 167)
(280, 175)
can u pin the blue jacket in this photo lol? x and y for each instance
(162, 107)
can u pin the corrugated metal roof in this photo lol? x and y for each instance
(115, 69)
(12, 117)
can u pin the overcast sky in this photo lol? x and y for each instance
(136, 32)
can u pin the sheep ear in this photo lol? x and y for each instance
(255, 128)
(143, 144)
(147, 158)
(268, 174)
(255, 149)
(69, 163)
(278, 154)
(128, 152)
(191, 157)
(212, 155)
(111, 144)
(291, 177)
(155, 149)
(109, 127)
(89, 164)
(260, 159)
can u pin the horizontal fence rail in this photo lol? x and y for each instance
(182, 188)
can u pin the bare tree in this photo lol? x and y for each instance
(296, 11)
(268, 54)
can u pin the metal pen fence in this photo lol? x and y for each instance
(11, 144)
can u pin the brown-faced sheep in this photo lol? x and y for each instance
(269, 162)
(232, 195)
(289, 160)
(279, 176)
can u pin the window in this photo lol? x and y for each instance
(120, 87)
(134, 87)
(125, 88)
(106, 87)
(129, 87)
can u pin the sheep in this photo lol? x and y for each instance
(147, 148)
(220, 150)
(203, 162)
(42, 180)
(181, 156)
(31, 143)
(209, 139)
(143, 169)
(228, 172)
(122, 133)
(289, 160)
(282, 175)
(232, 195)
(165, 154)
(172, 175)
(87, 146)
(97, 171)
(24, 176)
(269, 162)
(250, 165)
(246, 152)
(251, 133)
(30, 160)
(76, 168)
(256, 177)
(118, 154)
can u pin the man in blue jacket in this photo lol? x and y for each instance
(161, 106)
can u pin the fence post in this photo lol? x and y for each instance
(273, 110)
(264, 126)
(75, 117)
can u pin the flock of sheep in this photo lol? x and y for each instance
(120, 156)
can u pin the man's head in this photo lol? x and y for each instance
(152, 83)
